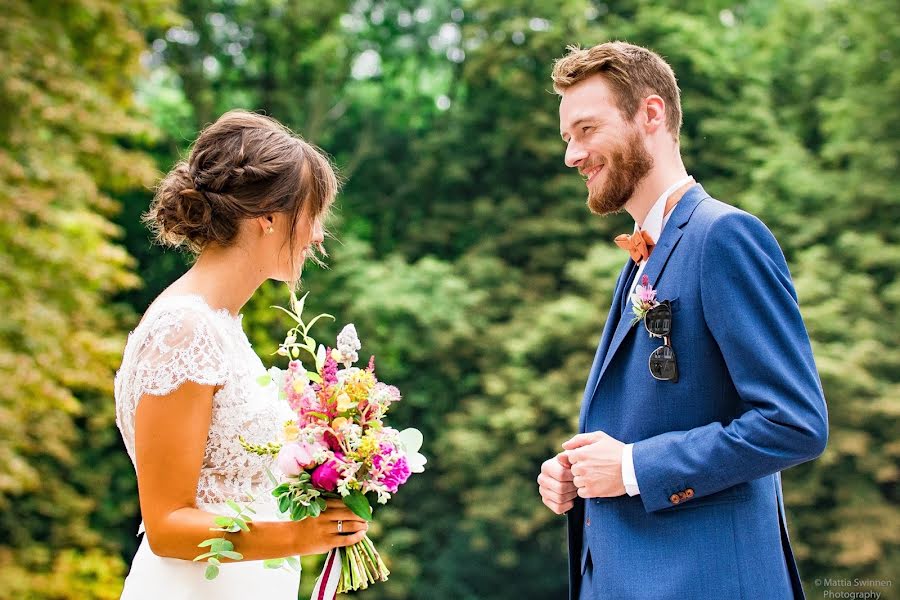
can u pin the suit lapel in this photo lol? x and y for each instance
(611, 322)
(671, 235)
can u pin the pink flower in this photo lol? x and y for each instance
(295, 457)
(326, 476)
(329, 369)
(645, 293)
(397, 475)
(394, 469)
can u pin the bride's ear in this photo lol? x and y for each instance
(266, 224)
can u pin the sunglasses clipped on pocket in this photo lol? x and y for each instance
(658, 322)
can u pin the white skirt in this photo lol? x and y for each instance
(155, 577)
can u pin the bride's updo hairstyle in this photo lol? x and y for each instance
(243, 166)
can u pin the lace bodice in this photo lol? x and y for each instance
(182, 339)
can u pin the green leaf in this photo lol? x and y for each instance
(273, 479)
(204, 555)
(242, 524)
(264, 380)
(284, 503)
(233, 505)
(359, 504)
(212, 571)
(292, 315)
(224, 521)
(221, 544)
(314, 377)
(208, 542)
(298, 512)
(273, 563)
(322, 316)
(313, 509)
(232, 555)
(293, 562)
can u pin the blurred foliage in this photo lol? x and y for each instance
(462, 249)
(70, 140)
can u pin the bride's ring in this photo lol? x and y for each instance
(340, 527)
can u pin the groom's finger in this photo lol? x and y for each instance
(548, 483)
(554, 469)
(557, 507)
(568, 496)
(583, 439)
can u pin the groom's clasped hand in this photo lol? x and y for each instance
(590, 466)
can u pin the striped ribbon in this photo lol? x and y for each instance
(327, 584)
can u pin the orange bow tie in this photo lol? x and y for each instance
(640, 244)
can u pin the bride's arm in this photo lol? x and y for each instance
(170, 439)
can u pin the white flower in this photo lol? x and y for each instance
(347, 344)
(411, 441)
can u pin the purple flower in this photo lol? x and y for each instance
(394, 469)
(397, 475)
(326, 476)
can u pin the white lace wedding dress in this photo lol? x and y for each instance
(181, 338)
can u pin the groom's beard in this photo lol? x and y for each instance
(627, 167)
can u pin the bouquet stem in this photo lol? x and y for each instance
(361, 565)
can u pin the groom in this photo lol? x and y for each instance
(673, 486)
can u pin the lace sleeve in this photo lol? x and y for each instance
(179, 346)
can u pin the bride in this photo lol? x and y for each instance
(249, 202)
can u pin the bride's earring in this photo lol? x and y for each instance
(270, 229)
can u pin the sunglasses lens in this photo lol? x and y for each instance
(663, 365)
(658, 320)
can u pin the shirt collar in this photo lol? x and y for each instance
(656, 219)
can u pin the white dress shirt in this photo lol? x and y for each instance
(653, 224)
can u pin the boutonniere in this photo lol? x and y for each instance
(642, 300)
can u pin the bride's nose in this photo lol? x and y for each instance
(318, 234)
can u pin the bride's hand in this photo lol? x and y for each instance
(318, 535)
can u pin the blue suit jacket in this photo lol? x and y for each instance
(748, 403)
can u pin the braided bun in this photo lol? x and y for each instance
(242, 166)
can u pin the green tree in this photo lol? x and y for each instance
(69, 138)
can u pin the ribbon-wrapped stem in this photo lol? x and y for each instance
(348, 569)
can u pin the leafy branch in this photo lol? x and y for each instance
(298, 337)
(221, 548)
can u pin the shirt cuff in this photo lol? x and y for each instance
(628, 476)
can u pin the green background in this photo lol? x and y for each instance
(462, 249)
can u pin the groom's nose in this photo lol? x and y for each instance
(575, 154)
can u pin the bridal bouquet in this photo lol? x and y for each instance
(338, 446)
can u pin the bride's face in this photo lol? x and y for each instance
(290, 255)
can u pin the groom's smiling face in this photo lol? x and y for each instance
(607, 149)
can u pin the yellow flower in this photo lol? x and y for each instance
(368, 446)
(291, 431)
(299, 386)
(345, 403)
(338, 423)
(359, 384)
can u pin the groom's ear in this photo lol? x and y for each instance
(652, 114)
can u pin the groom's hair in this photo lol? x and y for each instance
(631, 71)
